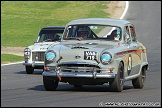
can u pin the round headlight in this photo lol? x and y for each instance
(106, 58)
(51, 55)
(27, 51)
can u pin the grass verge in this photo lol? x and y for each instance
(9, 58)
(22, 20)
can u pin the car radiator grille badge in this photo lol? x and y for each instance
(77, 56)
(36, 58)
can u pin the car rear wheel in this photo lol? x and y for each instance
(117, 84)
(49, 84)
(29, 69)
(139, 81)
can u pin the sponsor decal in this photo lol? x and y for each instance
(138, 52)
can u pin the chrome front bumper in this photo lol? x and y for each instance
(33, 64)
(79, 74)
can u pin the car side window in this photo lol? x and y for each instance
(126, 34)
(133, 34)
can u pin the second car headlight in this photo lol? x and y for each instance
(106, 58)
(27, 53)
(50, 55)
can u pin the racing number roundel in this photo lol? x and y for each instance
(129, 64)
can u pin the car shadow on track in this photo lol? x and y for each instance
(85, 88)
(38, 72)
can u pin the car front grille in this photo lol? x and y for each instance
(38, 56)
(79, 68)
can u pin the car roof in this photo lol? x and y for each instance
(103, 21)
(54, 27)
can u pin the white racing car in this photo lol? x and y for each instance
(34, 54)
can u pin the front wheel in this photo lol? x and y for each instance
(49, 84)
(139, 81)
(117, 84)
(29, 69)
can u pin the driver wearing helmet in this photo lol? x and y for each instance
(82, 33)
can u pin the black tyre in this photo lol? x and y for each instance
(139, 81)
(49, 84)
(29, 69)
(117, 84)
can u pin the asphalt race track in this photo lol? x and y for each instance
(21, 90)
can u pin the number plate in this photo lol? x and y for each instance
(89, 55)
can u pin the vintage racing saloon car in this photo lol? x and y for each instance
(94, 51)
(34, 54)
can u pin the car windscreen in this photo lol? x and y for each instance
(50, 35)
(92, 32)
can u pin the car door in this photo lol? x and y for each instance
(134, 59)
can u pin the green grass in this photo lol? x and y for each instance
(8, 58)
(22, 20)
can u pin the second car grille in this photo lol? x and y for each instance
(38, 56)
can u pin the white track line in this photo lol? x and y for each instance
(11, 63)
(122, 16)
(125, 11)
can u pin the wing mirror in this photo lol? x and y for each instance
(35, 41)
(128, 40)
